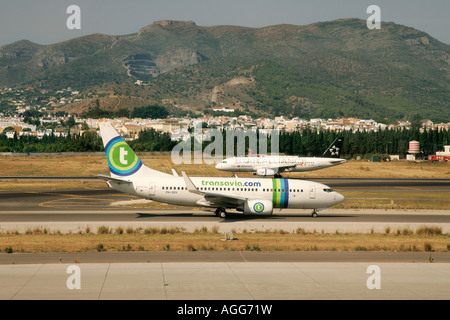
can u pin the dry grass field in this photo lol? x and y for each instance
(91, 165)
(428, 239)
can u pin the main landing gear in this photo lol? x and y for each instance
(314, 213)
(220, 212)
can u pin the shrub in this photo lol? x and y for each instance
(103, 230)
(429, 231)
(127, 248)
(119, 230)
(191, 247)
(428, 247)
(256, 248)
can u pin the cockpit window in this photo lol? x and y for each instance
(328, 190)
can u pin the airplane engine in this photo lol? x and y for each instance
(266, 172)
(258, 207)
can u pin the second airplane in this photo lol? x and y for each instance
(275, 165)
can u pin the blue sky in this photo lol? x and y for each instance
(44, 21)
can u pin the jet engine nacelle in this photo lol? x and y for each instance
(266, 172)
(258, 207)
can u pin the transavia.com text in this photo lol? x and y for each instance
(243, 309)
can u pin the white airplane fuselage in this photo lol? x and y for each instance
(284, 163)
(283, 193)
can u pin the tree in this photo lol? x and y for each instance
(152, 111)
(71, 122)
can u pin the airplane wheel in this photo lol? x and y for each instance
(222, 214)
(217, 212)
(314, 214)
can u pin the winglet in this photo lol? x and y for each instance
(190, 186)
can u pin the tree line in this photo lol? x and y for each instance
(307, 142)
(364, 144)
(89, 141)
(313, 143)
(153, 111)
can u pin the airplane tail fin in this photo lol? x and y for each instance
(122, 160)
(334, 150)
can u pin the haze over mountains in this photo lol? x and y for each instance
(327, 69)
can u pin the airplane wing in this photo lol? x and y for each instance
(278, 168)
(213, 199)
(108, 178)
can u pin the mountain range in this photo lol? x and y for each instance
(326, 69)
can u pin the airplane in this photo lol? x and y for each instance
(250, 196)
(274, 165)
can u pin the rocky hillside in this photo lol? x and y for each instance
(329, 69)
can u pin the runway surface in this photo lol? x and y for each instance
(69, 210)
(238, 282)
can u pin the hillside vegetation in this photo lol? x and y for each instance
(327, 69)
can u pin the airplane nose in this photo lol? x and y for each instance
(339, 198)
(219, 166)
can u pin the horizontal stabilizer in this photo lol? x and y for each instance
(108, 178)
